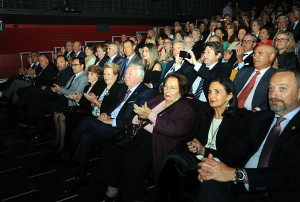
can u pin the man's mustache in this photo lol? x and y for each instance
(275, 100)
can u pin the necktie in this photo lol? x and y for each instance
(125, 67)
(109, 60)
(236, 64)
(245, 93)
(199, 89)
(127, 95)
(73, 77)
(269, 144)
(171, 71)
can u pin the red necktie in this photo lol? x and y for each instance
(245, 93)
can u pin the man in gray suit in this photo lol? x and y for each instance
(50, 102)
(132, 58)
(252, 83)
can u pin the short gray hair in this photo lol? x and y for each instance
(116, 46)
(253, 36)
(139, 68)
(181, 41)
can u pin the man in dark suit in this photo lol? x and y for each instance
(77, 50)
(140, 43)
(113, 54)
(294, 27)
(44, 78)
(252, 83)
(31, 94)
(271, 153)
(69, 49)
(242, 57)
(92, 130)
(211, 68)
(179, 65)
(132, 58)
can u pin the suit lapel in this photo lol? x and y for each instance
(288, 135)
(244, 78)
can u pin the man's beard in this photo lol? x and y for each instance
(281, 109)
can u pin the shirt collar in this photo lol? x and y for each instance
(290, 115)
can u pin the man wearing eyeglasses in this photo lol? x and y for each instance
(252, 83)
(242, 57)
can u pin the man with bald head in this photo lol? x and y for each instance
(77, 49)
(252, 83)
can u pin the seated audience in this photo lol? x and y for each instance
(44, 78)
(166, 54)
(211, 68)
(113, 54)
(95, 86)
(265, 165)
(152, 67)
(160, 41)
(77, 51)
(178, 65)
(198, 47)
(252, 83)
(154, 141)
(90, 56)
(92, 130)
(223, 36)
(285, 47)
(265, 35)
(215, 128)
(179, 35)
(132, 58)
(101, 51)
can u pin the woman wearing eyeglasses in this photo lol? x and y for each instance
(216, 129)
(285, 47)
(154, 141)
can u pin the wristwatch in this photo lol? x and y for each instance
(240, 175)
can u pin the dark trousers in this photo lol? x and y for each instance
(89, 132)
(177, 177)
(130, 166)
(214, 191)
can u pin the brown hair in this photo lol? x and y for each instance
(182, 83)
(96, 70)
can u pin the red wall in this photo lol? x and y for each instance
(27, 38)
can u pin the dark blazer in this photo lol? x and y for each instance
(260, 98)
(295, 32)
(80, 55)
(45, 78)
(61, 78)
(248, 61)
(198, 48)
(218, 71)
(111, 99)
(287, 60)
(97, 89)
(102, 62)
(185, 69)
(141, 95)
(135, 59)
(281, 178)
(171, 126)
(118, 60)
(230, 129)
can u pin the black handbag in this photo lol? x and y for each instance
(126, 138)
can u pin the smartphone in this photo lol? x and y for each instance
(184, 54)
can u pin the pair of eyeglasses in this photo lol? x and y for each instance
(171, 88)
(281, 39)
(247, 41)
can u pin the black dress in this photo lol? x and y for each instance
(152, 76)
(287, 60)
